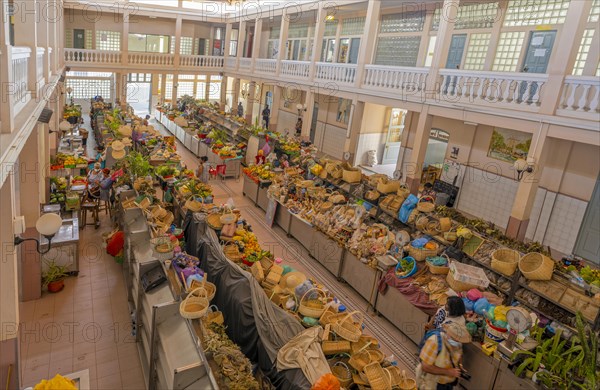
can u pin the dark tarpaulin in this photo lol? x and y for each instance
(235, 289)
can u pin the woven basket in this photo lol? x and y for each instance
(391, 203)
(425, 204)
(372, 195)
(335, 170)
(378, 378)
(365, 343)
(326, 316)
(358, 361)
(421, 254)
(400, 380)
(228, 218)
(312, 308)
(432, 228)
(211, 289)
(326, 206)
(214, 221)
(351, 175)
(232, 252)
(505, 261)
(386, 186)
(459, 286)
(343, 374)
(346, 328)
(214, 316)
(445, 224)
(194, 306)
(162, 248)
(375, 178)
(421, 222)
(193, 205)
(437, 269)
(403, 191)
(258, 272)
(536, 266)
(331, 348)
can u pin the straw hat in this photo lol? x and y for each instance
(118, 154)
(127, 141)
(291, 280)
(117, 146)
(457, 332)
(125, 130)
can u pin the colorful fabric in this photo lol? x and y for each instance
(412, 292)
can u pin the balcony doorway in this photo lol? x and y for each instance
(139, 92)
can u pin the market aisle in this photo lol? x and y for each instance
(87, 325)
(393, 342)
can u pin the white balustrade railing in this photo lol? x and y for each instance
(297, 69)
(395, 78)
(40, 63)
(230, 62)
(245, 63)
(20, 76)
(338, 73)
(263, 65)
(98, 57)
(520, 90)
(196, 61)
(150, 59)
(581, 94)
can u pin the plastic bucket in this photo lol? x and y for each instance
(493, 333)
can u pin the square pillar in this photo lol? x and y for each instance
(309, 102)
(317, 40)
(528, 186)
(369, 40)
(27, 16)
(250, 102)
(125, 38)
(413, 168)
(228, 29)
(283, 36)
(256, 42)
(442, 45)
(176, 55)
(354, 128)
(277, 91)
(241, 41)
(236, 94)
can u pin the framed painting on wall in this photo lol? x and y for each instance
(343, 111)
(509, 145)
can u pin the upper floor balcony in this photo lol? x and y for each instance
(579, 96)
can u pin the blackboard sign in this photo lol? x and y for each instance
(446, 188)
(271, 209)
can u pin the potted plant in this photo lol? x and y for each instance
(54, 276)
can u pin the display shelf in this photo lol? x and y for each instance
(536, 309)
(250, 189)
(328, 253)
(359, 276)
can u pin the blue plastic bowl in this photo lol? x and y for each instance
(412, 271)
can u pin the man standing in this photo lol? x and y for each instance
(441, 357)
(240, 110)
(266, 113)
(84, 137)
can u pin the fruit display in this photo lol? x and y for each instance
(195, 188)
(58, 382)
(78, 180)
(188, 173)
(288, 146)
(58, 184)
(166, 154)
(226, 151)
(167, 170)
(259, 172)
(248, 244)
(590, 276)
(71, 111)
(57, 197)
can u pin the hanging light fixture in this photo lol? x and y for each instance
(47, 225)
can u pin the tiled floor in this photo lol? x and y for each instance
(87, 325)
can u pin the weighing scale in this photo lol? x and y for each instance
(519, 320)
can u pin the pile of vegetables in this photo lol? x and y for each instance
(58, 382)
(71, 111)
(194, 188)
(60, 183)
(248, 244)
(405, 266)
(167, 170)
(590, 276)
(137, 164)
(288, 146)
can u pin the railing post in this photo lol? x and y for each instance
(369, 38)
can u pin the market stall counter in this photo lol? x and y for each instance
(360, 276)
(250, 189)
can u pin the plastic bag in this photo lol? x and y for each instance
(326, 382)
(266, 149)
(407, 207)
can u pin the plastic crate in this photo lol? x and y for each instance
(469, 274)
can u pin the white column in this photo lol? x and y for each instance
(250, 102)
(163, 88)
(228, 29)
(240, 44)
(564, 54)
(207, 88)
(369, 40)
(223, 100)
(318, 40)
(6, 76)
(125, 38)
(283, 36)
(425, 37)
(174, 91)
(256, 42)
(277, 90)
(338, 35)
(413, 167)
(236, 94)
(442, 45)
(27, 18)
(178, 25)
(309, 102)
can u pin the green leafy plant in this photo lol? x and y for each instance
(54, 272)
(138, 165)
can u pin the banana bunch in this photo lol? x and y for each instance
(464, 232)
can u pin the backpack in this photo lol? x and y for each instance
(437, 332)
